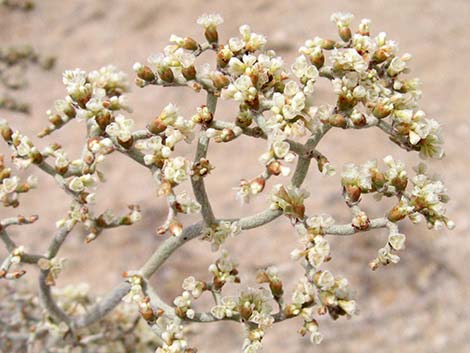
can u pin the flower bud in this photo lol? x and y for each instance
(328, 44)
(257, 185)
(276, 288)
(126, 144)
(380, 56)
(7, 133)
(317, 58)
(36, 157)
(156, 126)
(337, 120)
(144, 72)
(396, 214)
(103, 120)
(378, 179)
(381, 110)
(147, 314)
(245, 312)
(223, 56)
(346, 102)
(90, 237)
(190, 44)
(345, 33)
(176, 228)
(211, 34)
(189, 72)
(353, 193)
(220, 81)
(244, 120)
(166, 74)
(274, 168)
(227, 135)
(291, 311)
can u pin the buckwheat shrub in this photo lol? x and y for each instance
(14, 63)
(275, 100)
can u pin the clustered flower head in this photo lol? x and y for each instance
(276, 103)
(11, 185)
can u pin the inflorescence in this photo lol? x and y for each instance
(367, 75)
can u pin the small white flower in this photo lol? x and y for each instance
(121, 128)
(210, 20)
(397, 241)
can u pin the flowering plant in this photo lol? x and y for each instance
(275, 104)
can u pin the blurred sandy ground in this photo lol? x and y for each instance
(417, 306)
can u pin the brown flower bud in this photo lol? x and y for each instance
(126, 144)
(290, 311)
(218, 283)
(245, 312)
(274, 168)
(396, 214)
(166, 74)
(103, 120)
(223, 56)
(145, 73)
(361, 121)
(380, 111)
(317, 59)
(258, 184)
(190, 44)
(380, 56)
(345, 34)
(346, 103)
(353, 193)
(211, 35)
(337, 120)
(227, 135)
(147, 314)
(176, 228)
(156, 126)
(189, 72)
(180, 312)
(328, 44)
(7, 134)
(378, 179)
(56, 120)
(37, 157)
(276, 288)
(244, 120)
(220, 81)
(400, 183)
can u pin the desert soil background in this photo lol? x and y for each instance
(419, 305)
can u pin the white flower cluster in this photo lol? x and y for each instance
(95, 96)
(219, 232)
(136, 293)
(428, 197)
(24, 152)
(319, 290)
(224, 270)
(366, 76)
(275, 104)
(385, 255)
(252, 306)
(172, 336)
(11, 186)
(315, 247)
(290, 200)
(367, 178)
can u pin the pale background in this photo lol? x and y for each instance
(419, 305)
